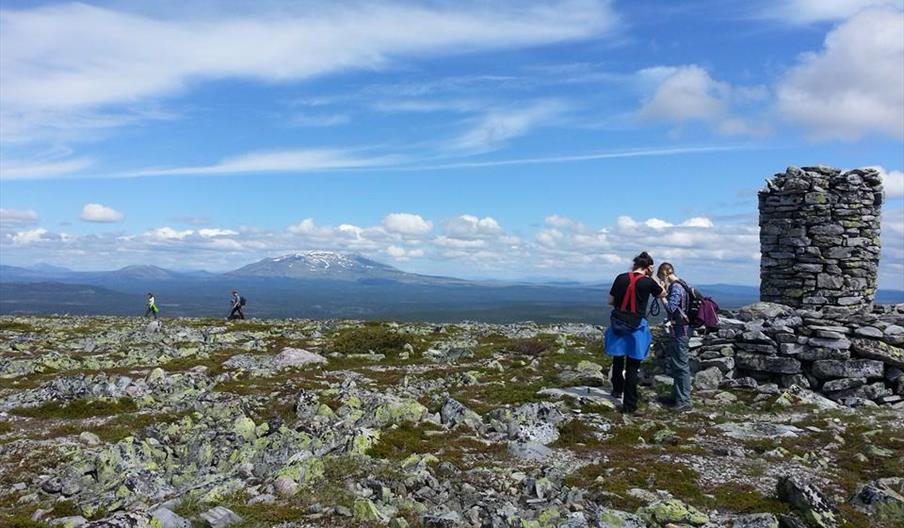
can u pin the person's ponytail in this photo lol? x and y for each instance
(643, 261)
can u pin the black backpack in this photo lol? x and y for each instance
(242, 301)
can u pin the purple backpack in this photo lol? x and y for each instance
(702, 311)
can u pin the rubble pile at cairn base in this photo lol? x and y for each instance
(854, 359)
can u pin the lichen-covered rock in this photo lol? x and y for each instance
(877, 350)
(220, 517)
(883, 498)
(855, 368)
(453, 413)
(662, 512)
(608, 518)
(808, 501)
(755, 520)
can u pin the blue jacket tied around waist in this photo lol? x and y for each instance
(635, 344)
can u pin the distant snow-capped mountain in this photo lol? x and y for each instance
(320, 264)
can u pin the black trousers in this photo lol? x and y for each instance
(625, 383)
(237, 313)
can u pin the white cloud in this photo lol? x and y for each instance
(31, 236)
(854, 86)
(688, 93)
(168, 233)
(469, 227)
(458, 243)
(93, 212)
(61, 57)
(407, 224)
(560, 222)
(17, 217)
(656, 223)
(704, 251)
(498, 126)
(892, 183)
(30, 169)
(698, 221)
(214, 232)
(809, 11)
(400, 253)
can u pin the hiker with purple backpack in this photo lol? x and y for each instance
(687, 309)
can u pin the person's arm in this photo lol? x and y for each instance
(661, 293)
(611, 300)
(674, 300)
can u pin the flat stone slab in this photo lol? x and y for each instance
(530, 451)
(593, 394)
(220, 517)
(757, 430)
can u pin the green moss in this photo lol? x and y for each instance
(577, 436)
(17, 327)
(743, 498)
(78, 409)
(6, 427)
(529, 346)
(486, 397)
(379, 339)
(610, 483)
(249, 326)
(398, 442)
(22, 520)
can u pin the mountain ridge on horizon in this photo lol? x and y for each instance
(322, 284)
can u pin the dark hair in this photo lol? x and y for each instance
(151, 294)
(644, 260)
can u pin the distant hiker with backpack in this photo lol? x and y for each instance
(628, 337)
(677, 347)
(152, 306)
(238, 305)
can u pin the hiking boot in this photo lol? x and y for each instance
(682, 407)
(630, 412)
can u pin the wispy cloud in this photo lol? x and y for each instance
(497, 127)
(810, 11)
(318, 120)
(299, 160)
(10, 218)
(633, 153)
(58, 58)
(38, 169)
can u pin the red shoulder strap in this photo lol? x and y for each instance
(629, 301)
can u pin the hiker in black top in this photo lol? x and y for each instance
(628, 337)
(644, 288)
(237, 312)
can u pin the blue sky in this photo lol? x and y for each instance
(479, 139)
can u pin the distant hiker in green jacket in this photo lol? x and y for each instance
(152, 306)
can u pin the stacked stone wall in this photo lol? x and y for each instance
(816, 327)
(819, 238)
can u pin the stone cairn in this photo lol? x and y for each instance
(816, 327)
(819, 238)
